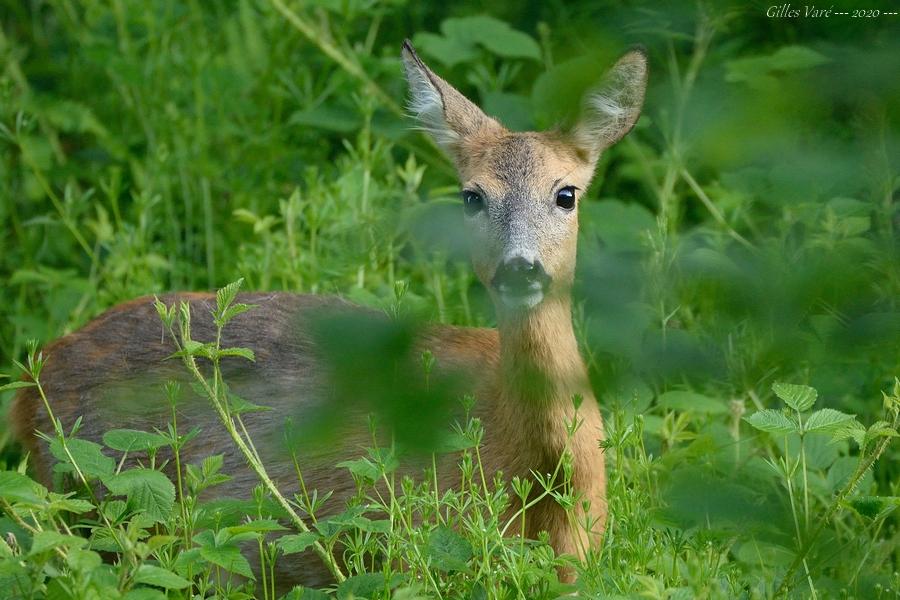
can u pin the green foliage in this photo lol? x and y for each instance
(745, 231)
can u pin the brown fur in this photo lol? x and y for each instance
(524, 374)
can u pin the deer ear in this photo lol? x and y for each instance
(613, 107)
(440, 109)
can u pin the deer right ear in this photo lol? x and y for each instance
(440, 109)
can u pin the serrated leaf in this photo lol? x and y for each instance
(798, 397)
(294, 543)
(849, 429)
(241, 352)
(365, 585)
(826, 419)
(305, 593)
(228, 557)
(128, 440)
(362, 468)
(87, 455)
(226, 295)
(448, 550)
(239, 405)
(771, 421)
(160, 577)
(147, 490)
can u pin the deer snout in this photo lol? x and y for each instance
(521, 282)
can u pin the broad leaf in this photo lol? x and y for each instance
(448, 550)
(160, 577)
(798, 397)
(292, 544)
(826, 419)
(15, 487)
(147, 490)
(128, 440)
(771, 421)
(87, 455)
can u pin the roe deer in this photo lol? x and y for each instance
(520, 196)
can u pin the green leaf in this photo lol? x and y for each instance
(849, 429)
(874, 507)
(826, 420)
(365, 585)
(48, 539)
(362, 468)
(128, 440)
(448, 550)
(15, 385)
(87, 455)
(772, 421)
(241, 352)
(160, 577)
(449, 51)
(760, 71)
(292, 544)
(228, 557)
(684, 401)
(147, 490)
(239, 405)
(145, 593)
(493, 34)
(305, 593)
(15, 487)
(798, 397)
(226, 295)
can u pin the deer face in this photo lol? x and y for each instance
(520, 191)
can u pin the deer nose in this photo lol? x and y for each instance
(520, 276)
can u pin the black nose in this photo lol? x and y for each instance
(519, 275)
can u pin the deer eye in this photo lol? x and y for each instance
(473, 202)
(565, 198)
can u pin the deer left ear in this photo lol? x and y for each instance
(440, 109)
(612, 109)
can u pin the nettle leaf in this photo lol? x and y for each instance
(874, 507)
(798, 397)
(241, 352)
(256, 526)
(362, 468)
(87, 455)
(305, 593)
(15, 487)
(879, 429)
(46, 540)
(239, 406)
(292, 544)
(448, 550)
(160, 577)
(772, 421)
(147, 490)
(366, 585)
(128, 440)
(849, 429)
(226, 295)
(827, 419)
(229, 557)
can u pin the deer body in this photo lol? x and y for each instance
(519, 196)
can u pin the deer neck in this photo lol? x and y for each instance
(541, 367)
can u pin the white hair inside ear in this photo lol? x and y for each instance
(426, 105)
(613, 108)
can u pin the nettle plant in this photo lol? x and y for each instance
(797, 421)
(397, 537)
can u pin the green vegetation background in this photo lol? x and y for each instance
(745, 232)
